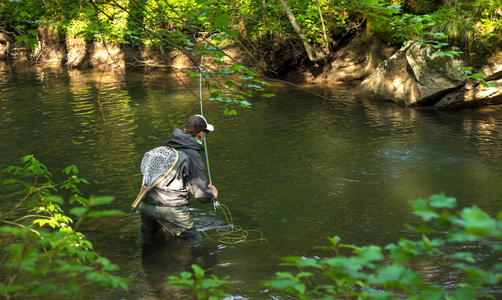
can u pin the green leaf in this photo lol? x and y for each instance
(43, 288)
(198, 271)
(441, 201)
(399, 254)
(308, 262)
(334, 240)
(465, 256)
(22, 38)
(300, 288)
(421, 208)
(33, 42)
(229, 112)
(427, 243)
(281, 284)
(477, 221)
(78, 211)
(250, 72)
(67, 170)
(100, 200)
(98, 214)
(55, 199)
(222, 20)
(244, 103)
(371, 253)
(464, 293)
(370, 2)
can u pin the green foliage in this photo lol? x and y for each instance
(199, 284)
(478, 76)
(41, 243)
(30, 38)
(475, 26)
(201, 29)
(374, 272)
(368, 273)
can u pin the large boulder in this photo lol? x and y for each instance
(475, 94)
(472, 95)
(493, 66)
(359, 59)
(415, 75)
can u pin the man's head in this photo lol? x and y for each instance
(195, 124)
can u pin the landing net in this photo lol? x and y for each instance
(155, 166)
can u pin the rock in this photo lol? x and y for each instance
(493, 67)
(5, 41)
(358, 60)
(415, 75)
(5, 38)
(472, 96)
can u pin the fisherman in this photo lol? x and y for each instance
(167, 205)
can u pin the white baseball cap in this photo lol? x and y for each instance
(209, 127)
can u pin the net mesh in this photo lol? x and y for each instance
(156, 163)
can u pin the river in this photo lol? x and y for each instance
(297, 167)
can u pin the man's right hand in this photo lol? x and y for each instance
(214, 190)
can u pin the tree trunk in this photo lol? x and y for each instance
(326, 43)
(264, 11)
(310, 51)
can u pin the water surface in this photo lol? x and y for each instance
(297, 167)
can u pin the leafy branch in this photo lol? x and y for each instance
(373, 272)
(42, 244)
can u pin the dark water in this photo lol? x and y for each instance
(297, 167)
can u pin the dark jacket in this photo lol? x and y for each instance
(187, 179)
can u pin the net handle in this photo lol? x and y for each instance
(145, 190)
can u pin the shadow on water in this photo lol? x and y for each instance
(163, 257)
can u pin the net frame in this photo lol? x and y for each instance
(153, 166)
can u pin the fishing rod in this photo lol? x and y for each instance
(216, 203)
(236, 234)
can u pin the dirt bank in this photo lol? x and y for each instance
(353, 61)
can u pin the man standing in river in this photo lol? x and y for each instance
(166, 205)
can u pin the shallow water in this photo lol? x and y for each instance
(297, 167)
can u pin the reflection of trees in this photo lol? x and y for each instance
(376, 157)
(119, 113)
(103, 122)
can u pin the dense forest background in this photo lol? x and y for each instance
(280, 36)
(240, 46)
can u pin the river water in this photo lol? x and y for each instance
(297, 167)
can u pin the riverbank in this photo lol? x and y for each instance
(406, 75)
(353, 61)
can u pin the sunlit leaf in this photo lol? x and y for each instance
(198, 271)
(440, 201)
(100, 200)
(370, 2)
(229, 112)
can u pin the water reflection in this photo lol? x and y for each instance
(297, 167)
(163, 257)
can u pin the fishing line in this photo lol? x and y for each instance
(230, 234)
(233, 234)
